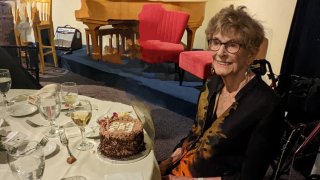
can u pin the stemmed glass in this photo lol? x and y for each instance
(27, 160)
(81, 116)
(5, 84)
(69, 94)
(49, 106)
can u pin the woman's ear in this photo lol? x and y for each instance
(251, 58)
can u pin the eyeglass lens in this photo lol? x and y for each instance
(230, 46)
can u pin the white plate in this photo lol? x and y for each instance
(19, 98)
(49, 148)
(130, 159)
(22, 109)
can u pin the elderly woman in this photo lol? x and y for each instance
(238, 125)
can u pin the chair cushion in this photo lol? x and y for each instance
(197, 63)
(155, 51)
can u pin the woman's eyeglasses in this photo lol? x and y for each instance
(230, 46)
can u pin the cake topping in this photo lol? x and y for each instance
(121, 122)
(121, 126)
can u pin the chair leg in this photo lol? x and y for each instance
(41, 54)
(87, 42)
(181, 75)
(100, 44)
(53, 48)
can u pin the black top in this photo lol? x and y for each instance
(21, 79)
(241, 143)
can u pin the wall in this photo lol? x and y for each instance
(275, 15)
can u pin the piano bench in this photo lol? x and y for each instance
(126, 35)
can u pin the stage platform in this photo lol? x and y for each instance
(156, 83)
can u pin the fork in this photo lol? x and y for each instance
(43, 142)
(64, 141)
(32, 124)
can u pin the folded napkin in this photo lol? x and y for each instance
(72, 132)
(46, 91)
(124, 176)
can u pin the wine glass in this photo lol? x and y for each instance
(26, 160)
(69, 94)
(5, 84)
(81, 116)
(49, 106)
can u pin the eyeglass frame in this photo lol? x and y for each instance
(226, 45)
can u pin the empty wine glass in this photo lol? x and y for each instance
(81, 116)
(69, 94)
(5, 83)
(49, 106)
(27, 160)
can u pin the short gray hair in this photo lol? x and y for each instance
(231, 20)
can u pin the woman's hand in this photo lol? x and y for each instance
(167, 163)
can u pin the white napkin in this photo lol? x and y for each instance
(124, 176)
(46, 91)
(75, 132)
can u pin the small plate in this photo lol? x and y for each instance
(19, 98)
(49, 148)
(22, 109)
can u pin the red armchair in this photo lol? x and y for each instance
(198, 63)
(160, 33)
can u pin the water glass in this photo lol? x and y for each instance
(69, 94)
(5, 83)
(26, 160)
(49, 106)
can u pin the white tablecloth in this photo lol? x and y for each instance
(88, 163)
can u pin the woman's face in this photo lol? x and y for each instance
(227, 64)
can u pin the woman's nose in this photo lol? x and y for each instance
(222, 50)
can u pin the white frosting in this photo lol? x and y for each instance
(123, 126)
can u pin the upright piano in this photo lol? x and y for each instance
(96, 13)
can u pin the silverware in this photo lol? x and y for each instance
(32, 124)
(74, 178)
(93, 137)
(35, 125)
(43, 142)
(64, 141)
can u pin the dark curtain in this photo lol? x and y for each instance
(299, 82)
(302, 52)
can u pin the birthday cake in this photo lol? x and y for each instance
(121, 136)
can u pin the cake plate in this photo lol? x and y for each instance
(130, 159)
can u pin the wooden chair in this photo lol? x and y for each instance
(21, 22)
(41, 15)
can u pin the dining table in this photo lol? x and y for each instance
(89, 164)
